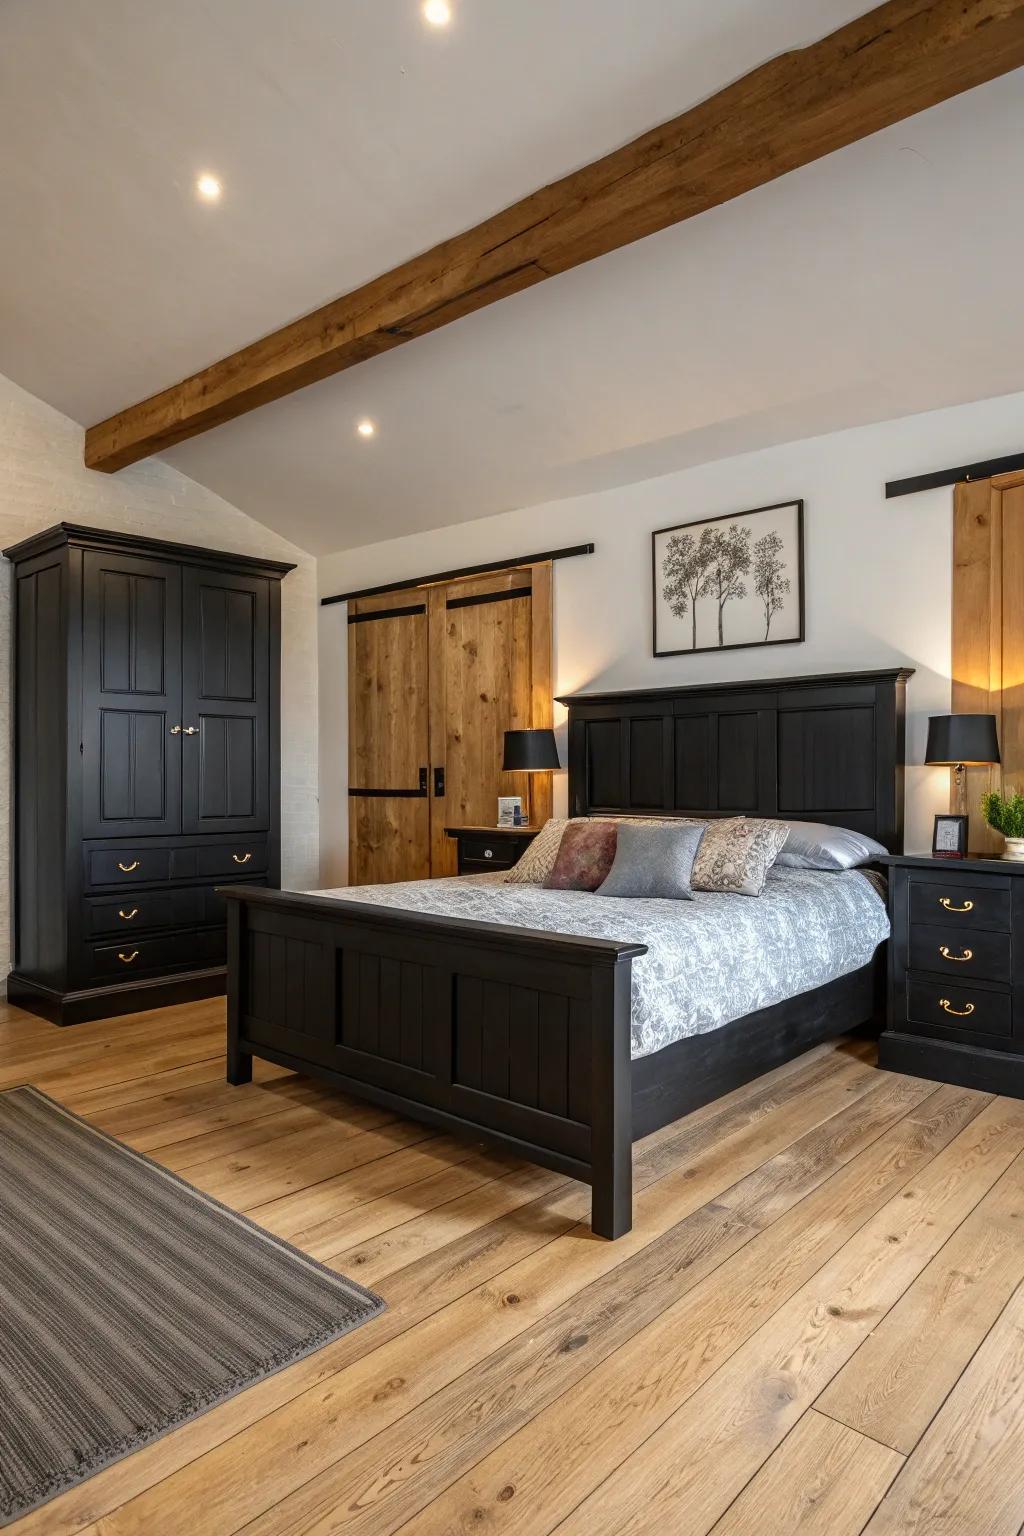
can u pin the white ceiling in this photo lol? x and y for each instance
(881, 281)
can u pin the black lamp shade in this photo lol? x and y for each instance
(956, 739)
(530, 751)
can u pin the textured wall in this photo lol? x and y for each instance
(43, 481)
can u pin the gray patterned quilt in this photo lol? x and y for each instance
(709, 961)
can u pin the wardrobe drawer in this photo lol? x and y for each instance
(127, 866)
(962, 952)
(958, 1007)
(248, 855)
(960, 905)
(194, 949)
(133, 913)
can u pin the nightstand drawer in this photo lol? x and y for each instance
(960, 905)
(492, 854)
(962, 952)
(956, 1007)
(482, 867)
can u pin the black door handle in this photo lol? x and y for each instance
(423, 781)
(439, 783)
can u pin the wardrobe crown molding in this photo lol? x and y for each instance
(112, 542)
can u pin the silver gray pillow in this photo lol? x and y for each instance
(813, 845)
(653, 861)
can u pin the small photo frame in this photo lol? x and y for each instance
(510, 810)
(949, 840)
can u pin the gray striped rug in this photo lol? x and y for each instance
(130, 1302)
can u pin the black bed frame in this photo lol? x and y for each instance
(523, 1037)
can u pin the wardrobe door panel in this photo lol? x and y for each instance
(131, 696)
(225, 702)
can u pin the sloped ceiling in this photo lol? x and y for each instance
(880, 281)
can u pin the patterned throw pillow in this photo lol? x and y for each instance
(736, 854)
(539, 859)
(585, 856)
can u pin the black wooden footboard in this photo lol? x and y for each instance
(520, 1036)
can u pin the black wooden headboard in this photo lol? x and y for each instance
(827, 748)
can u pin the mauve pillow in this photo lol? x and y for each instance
(814, 845)
(585, 856)
(653, 861)
(539, 859)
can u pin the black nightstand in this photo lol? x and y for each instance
(484, 849)
(956, 972)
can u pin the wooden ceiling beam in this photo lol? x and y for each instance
(896, 60)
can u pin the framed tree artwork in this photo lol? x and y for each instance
(732, 581)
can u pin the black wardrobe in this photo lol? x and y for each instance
(146, 765)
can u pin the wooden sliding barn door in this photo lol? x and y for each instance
(437, 675)
(988, 630)
(491, 673)
(388, 749)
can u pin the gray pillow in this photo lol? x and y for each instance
(813, 845)
(653, 861)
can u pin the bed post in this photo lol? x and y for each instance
(239, 1067)
(611, 1129)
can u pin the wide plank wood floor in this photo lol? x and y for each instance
(816, 1324)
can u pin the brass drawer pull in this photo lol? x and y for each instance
(968, 954)
(127, 916)
(241, 858)
(127, 959)
(488, 853)
(947, 902)
(959, 1013)
(127, 868)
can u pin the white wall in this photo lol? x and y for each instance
(877, 579)
(43, 481)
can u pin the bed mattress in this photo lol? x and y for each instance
(709, 961)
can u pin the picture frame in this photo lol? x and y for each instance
(510, 811)
(949, 837)
(730, 582)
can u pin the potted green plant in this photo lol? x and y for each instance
(1006, 814)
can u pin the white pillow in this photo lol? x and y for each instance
(815, 845)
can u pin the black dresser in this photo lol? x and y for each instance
(146, 765)
(956, 972)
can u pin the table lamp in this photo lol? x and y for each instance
(960, 742)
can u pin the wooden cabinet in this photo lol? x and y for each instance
(146, 764)
(956, 972)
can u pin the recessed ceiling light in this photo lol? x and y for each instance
(366, 428)
(437, 12)
(209, 187)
